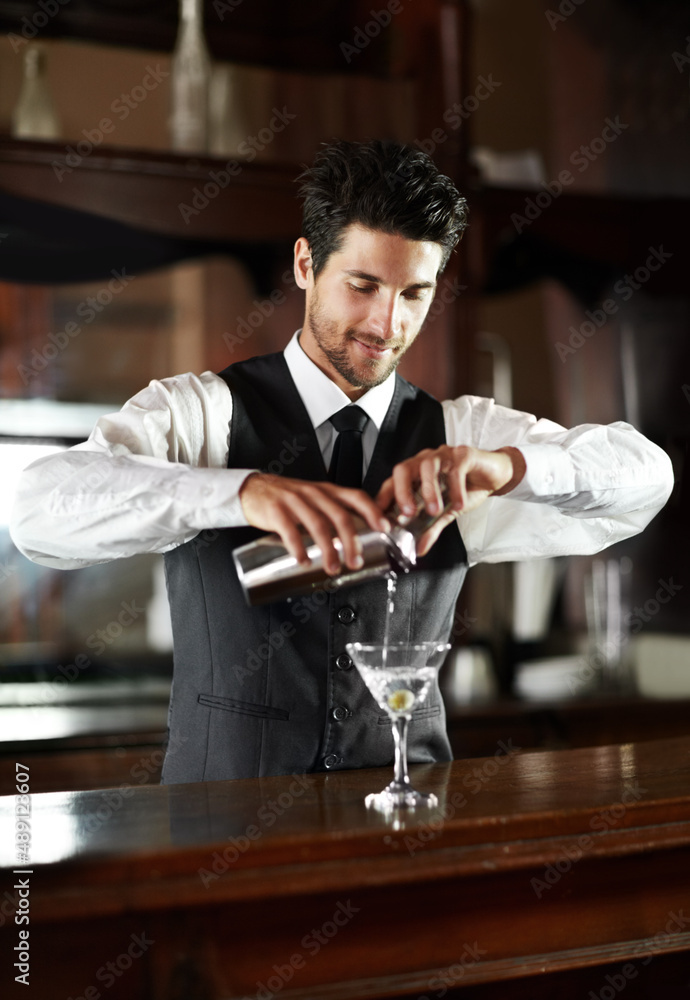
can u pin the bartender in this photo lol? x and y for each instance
(179, 470)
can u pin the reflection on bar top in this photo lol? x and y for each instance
(317, 817)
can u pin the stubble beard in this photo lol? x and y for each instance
(369, 372)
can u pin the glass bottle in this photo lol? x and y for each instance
(190, 81)
(34, 115)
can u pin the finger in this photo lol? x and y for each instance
(430, 487)
(342, 521)
(452, 469)
(361, 503)
(320, 527)
(431, 534)
(404, 476)
(475, 498)
(457, 479)
(340, 507)
(346, 530)
(386, 495)
(291, 537)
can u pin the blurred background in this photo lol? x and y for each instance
(148, 153)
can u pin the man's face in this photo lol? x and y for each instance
(367, 305)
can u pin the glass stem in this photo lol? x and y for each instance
(400, 725)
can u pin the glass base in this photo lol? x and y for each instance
(400, 797)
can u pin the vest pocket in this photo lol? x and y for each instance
(425, 712)
(243, 707)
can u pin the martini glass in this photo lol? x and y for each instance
(399, 677)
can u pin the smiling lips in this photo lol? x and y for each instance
(371, 351)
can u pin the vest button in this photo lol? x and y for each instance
(331, 760)
(346, 615)
(340, 712)
(343, 662)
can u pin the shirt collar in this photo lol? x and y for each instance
(322, 397)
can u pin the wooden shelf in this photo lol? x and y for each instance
(185, 196)
(616, 231)
(146, 190)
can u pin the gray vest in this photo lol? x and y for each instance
(270, 690)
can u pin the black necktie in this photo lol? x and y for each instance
(346, 463)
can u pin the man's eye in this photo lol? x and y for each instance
(363, 288)
(413, 296)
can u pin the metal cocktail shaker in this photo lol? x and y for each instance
(267, 571)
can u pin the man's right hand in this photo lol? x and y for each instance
(322, 510)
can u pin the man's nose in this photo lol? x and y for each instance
(386, 318)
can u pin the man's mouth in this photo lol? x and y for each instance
(373, 350)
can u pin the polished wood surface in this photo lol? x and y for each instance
(74, 747)
(544, 862)
(53, 727)
(82, 746)
(564, 723)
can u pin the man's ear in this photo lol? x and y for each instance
(302, 264)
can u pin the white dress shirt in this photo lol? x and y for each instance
(154, 475)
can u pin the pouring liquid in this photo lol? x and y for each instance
(392, 581)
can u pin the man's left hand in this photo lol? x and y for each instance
(472, 476)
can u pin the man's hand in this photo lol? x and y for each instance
(322, 510)
(472, 475)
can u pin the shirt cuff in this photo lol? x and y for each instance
(549, 472)
(214, 495)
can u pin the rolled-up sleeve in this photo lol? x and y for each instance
(149, 478)
(583, 488)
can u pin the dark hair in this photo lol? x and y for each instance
(383, 185)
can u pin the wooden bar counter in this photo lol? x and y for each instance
(543, 874)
